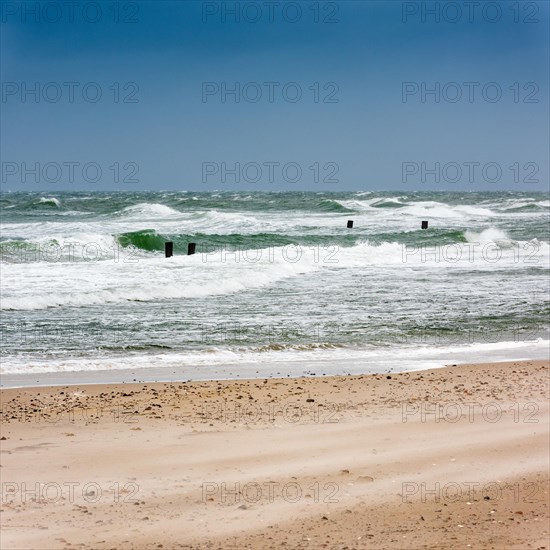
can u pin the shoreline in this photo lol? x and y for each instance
(349, 460)
(275, 369)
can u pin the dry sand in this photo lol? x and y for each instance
(449, 458)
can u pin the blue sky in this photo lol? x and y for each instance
(352, 128)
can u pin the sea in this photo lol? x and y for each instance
(279, 284)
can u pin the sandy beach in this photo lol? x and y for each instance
(456, 457)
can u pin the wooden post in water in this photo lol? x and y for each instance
(191, 249)
(424, 224)
(168, 249)
(350, 224)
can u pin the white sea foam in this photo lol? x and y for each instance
(247, 362)
(131, 277)
(431, 209)
(491, 234)
(439, 210)
(50, 200)
(44, 285)
(146, 211)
